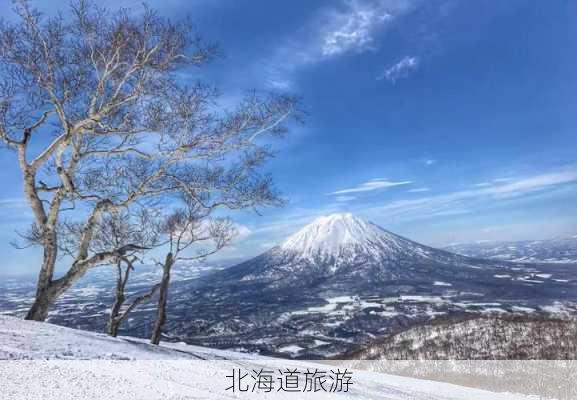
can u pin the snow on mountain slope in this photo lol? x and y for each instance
(337, 244)
(343, 238)
(331, 236)
(563, 250)
(51, 370)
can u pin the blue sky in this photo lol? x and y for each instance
(444, 120)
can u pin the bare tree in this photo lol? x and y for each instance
(117, 314)
(185, 229)
(116, 230)
(94, 107)
(181, 232)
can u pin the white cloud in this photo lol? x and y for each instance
(400, 70)
(426, 206)
(530, 184)
(430, 162)
(418, 190)
(279, 84)
(492, 182)
(345, 27)
(353, 29)
(450, 213)
(369, 186)
(344, 199)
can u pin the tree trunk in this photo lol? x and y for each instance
(42, 304)
(45, 297)
(162, 298)
(48, 289)
(113, 326)
(113, 321)
(47, 294)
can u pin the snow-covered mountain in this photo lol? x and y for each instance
(337, 246)
(341, 239)
(563, 250)
(340, 281)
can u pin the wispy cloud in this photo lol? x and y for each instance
(492, 182)
(344, 199)
(400, 69)
(519, 187)
(499, 180)
(280, 84)
(374, 184)
(353, 29)
(346, 27)
(418, 190)
(495, 191)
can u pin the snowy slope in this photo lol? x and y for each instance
(563, 250)
(167, 372)
(343, 238)
(31, 340)
(332, 236)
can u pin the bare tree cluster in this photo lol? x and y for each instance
(187, 234)
(116, 230)
(103, 126)
(183, 229)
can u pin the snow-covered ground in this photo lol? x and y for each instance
(44, 361)
(30, 340)
(560, 250)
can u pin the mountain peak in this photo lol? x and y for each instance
(335, 234)
(335, 217)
